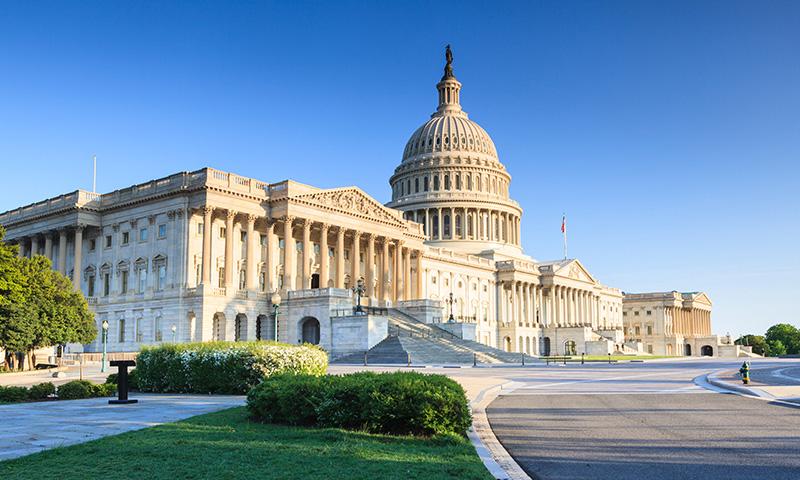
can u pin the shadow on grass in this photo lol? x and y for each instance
(227, 444)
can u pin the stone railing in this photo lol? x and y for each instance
(78, 198)
(319, 292)
(447, 195)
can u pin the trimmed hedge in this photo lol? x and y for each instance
(399, 403)
(133, 380)
(85, 389)
(223, 367)
(13, 394)
(40, 391)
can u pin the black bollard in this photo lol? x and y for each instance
(408, 359)
(582, 354)
(523, 359)
(122, 381)
(365, 359)
(474, 359)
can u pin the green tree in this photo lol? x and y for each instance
(758, 342)
(39, 307)
(788, 335)
(776, 348)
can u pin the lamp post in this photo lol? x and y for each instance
(276, 303)
(450, 301)
(359, 290)
(105, 342)
(174, 329)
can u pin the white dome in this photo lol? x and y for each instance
(449, 132)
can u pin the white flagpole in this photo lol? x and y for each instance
(94, 173)
(564, 231)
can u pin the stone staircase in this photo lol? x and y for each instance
(410, 340)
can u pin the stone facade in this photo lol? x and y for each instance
(674, 323)
(196, 256)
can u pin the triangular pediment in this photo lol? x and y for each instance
(353, 201)
(576, 271)
(701, 297)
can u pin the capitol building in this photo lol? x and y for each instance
(207, 255)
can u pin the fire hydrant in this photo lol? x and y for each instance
(745, 373)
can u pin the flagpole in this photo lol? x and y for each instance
(94, 173)
(564, 231)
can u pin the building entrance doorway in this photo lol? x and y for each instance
(315, 280)
(707, 351)
(687, 350)
(546, 347)
(310, 328)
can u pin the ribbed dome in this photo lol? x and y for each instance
(449, 132)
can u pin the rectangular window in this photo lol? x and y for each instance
(121, 330)
(331, 252)
(649, 348)
(221, 279)
(92, 244)
(143, 234)
(106, 284)
(649, 330)
(222, 232)
(198, 274)
(637, 330)
(126, 237)
(123, 282)
(90, 286)
(242, 279)
(162, 277)
(649, 312)
(346, 254)
(162, 230)
(200, 228)
(262, 281)
(108, 241)
(138, 326)
(635, 314)
(142, 280)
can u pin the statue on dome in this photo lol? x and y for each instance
(448, 68)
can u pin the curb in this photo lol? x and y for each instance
(494, 456)
(714, 379)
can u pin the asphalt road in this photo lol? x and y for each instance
(782, 375)
(644, 422)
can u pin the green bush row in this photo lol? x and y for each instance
(85, 389)
(133, 379)
(39, 391)
(400, 403)
(222, 367)
(69, 391)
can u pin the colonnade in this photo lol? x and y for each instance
(690, 321)
(529, 304)
(42, 244)
(387, 262)
(465, 223)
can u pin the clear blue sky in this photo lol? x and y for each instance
(668, 131)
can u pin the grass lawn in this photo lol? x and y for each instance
(623, 357)
(226, 445)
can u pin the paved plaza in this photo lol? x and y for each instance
(31, 427)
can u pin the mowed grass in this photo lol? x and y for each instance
(227, 445)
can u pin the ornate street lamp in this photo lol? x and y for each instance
(276, 303)
(105, 341)
(359, 290)
(174, 329)
(450, 301)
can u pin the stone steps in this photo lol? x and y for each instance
(421, 343)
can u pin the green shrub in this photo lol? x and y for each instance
(13, 394)
(75, 389)
(401, 403)
(132, 380)
(85, 389)
(222, 367)
(40, 391)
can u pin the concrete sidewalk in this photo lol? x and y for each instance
(730, 380)
(32, 427)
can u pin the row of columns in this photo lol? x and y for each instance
(475, 224)
(450, 181)
(690, 321)
(529, 304)
(392, 268)
(60, 260)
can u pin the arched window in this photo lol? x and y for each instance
(458, 182)
(141, 272)
(470, 232)
(458, 226)
(425, 183)
(469, 182)
(416, 185)
(436, 182)
(447, 226)
(408, 187)
(447, 182)
(160, 267)
(435, 220)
